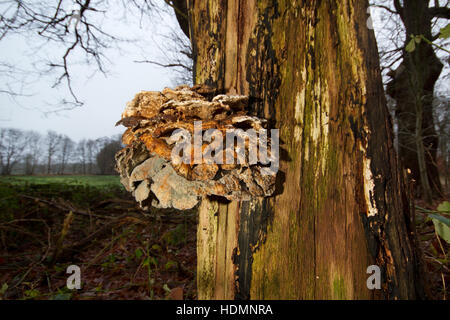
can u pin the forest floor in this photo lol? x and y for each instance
(435, 250)
(50, 223)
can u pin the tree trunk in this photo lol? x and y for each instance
(49, 164)
(424, 66)
(312, 69)
(421, 158)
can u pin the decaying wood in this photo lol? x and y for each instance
(312, 65)
(148, 169)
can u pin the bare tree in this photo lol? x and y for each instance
(81, 155)
(53, 141)
(12, 145)
(76, 27)
(13, 80)
(2, 146)
(54, 153)
(91, 152)
(34, 151)
(177, 55)
(105, 158)
(28, 168)
(65, 153)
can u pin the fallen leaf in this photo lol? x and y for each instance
(176, 293)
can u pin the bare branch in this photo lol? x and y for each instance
(440, 12)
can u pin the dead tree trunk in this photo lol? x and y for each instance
(312, 68)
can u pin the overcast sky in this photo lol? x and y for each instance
(104, 97)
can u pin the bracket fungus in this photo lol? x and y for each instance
(152, 168)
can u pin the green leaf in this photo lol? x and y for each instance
(442, 226)
(150, 261)
(156, 248)
(138, 253)
(32, 293)
(171, 265)
(411, 45)
(146, 262)
(445, 32)
(418, 39)
(440, 218)
(444, 207)
(154, 261)
(166, 288)
(445, 261)
(3, 289)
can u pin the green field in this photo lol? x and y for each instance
(92, 181)
(81, 191)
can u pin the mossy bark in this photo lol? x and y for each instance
(311, 68)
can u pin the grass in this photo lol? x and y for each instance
(86, 180)
(81, 190)
(130, 254)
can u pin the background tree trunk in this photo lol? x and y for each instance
(312, 68)
(416, 77)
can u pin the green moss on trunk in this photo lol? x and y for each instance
(312, 69)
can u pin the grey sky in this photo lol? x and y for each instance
(104, 97)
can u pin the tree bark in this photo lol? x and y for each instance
(312, 69)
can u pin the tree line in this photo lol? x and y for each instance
(29, 152)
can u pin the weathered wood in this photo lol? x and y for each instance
(206, 249)
(311, 67)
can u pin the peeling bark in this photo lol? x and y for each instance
(312, 69)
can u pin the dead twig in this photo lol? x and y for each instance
(65, 229)
(65, 208)
(66, 251)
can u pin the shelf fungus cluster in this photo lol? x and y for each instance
(162, 172)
